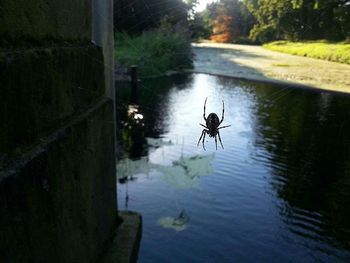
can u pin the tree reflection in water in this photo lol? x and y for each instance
(308, 142)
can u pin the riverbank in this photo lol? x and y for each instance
(336, 52)
(259, 64)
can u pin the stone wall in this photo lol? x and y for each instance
(57, 161)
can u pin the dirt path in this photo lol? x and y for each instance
(257, 63)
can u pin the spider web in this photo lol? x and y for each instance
(277, 95)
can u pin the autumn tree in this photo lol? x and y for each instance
(222, 29)
(231, 20)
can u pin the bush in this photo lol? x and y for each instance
(155, 51)
(262, 33)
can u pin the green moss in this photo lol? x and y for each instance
(281, 65)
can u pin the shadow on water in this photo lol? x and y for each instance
(280, 189)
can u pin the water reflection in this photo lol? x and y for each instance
(133, 132)
(177, 223)
(185, 172)
(280, 190)
(181, 173)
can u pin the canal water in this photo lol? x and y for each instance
(279, 191)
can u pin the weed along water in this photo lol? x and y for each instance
(277, 192)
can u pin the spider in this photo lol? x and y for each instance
(212, 126)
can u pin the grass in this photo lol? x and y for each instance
(155, 52)
(336, 52)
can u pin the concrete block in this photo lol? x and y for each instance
(127, 238)
(42, 87)
(45, 19)
(58, 201)
(103, 36)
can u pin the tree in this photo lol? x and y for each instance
(299, 19)
(201, 25)
(135, 16)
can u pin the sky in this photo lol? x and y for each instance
(202, 4)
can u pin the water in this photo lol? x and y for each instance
(278, 192)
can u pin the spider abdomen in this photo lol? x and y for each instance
(213, 123)
(212, 126)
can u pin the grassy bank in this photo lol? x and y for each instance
(336, 52)
(154, 52)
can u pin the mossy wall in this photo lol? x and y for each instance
(57, 160)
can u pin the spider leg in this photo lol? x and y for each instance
(224, 127)
(216, 143)
(203, 125)
(223, 111)
(205, 132)
(205, 102)
(220, 140)
(202, 135)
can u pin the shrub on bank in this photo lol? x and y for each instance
(155, 51)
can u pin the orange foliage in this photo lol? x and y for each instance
(222, 29)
